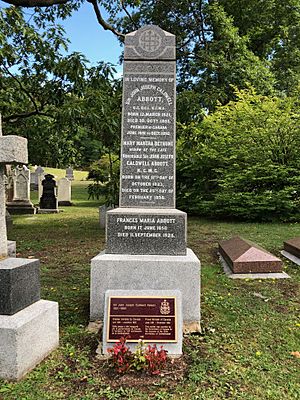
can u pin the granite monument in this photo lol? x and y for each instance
(146, 235)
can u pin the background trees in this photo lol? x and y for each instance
(237, 104)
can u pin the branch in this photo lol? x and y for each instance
(22, 88)
(15, 117)
(128, 14)
(105, 25)
(35, 3)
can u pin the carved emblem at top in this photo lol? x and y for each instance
(150, 41)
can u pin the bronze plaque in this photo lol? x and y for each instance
(151, 319)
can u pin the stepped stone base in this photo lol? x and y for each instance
(65, 203)
(147, 272)
(47, 211)
(20, 207)
(26, 338)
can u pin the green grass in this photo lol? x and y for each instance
(244, 351)
(61, 173)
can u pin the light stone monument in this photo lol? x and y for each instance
(28, 325)
(64, 192)
(146, 235)
(20, 203)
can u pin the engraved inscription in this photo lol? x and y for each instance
(148, 161)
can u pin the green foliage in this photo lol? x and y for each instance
(69, 112)
(246, 160)
(106, 174)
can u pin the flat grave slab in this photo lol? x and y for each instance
(269, 275)
(291, 250)
(245, 257)
(153, 316)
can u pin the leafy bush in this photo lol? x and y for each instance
(242, 161)
(105, 174)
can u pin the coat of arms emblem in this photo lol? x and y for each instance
(165, 307)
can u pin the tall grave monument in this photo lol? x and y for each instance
(28, 325)
(146, 235)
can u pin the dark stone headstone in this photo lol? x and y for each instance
(243, 256)
(19, 284)
(292, 246)
(48, 200)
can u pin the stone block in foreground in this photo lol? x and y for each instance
(243, 256)
(153, 272)
(26, 338)
(19, 284)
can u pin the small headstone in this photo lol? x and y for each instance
(153, 316)
(64, 192)
(291, 250)
(244, 257)
(48, 201)
(36, 176)
(102, 215)
(70, 174)
(20, 203)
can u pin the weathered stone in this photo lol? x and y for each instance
(64, 192)
(20, 203)
(243, 256)
(11, 248)
(70, 174)
(146, 231)
(174, 348)
(27, 337)
(13, 150)
(19, 284)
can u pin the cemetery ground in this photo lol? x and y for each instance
(249, 347)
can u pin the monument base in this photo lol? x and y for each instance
(256, 275)
(148, 272)
(20, 207)
(27, 337)
(65, 203)
(291, 257)
(47, 211)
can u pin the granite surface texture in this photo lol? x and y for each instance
(292, 246)
(27, 337)
(19, 284)
(291, 257)
(151, 272)
(173, 348)
(251, 275)
(243, 256)
(146, 231)
(11, 248)
(13, 150)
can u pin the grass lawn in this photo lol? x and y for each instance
(244, 351)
